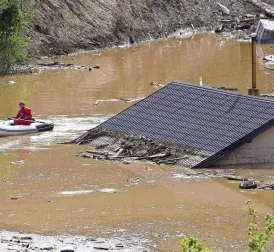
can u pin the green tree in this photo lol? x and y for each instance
(15, 15)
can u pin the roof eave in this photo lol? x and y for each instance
(209, 161)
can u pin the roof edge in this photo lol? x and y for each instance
(78, 139)
(235, 145)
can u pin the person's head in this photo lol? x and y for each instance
(21, 104)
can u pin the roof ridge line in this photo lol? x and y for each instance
(222, 91)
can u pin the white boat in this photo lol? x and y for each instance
(8, 128)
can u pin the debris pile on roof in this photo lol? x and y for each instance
(183, 124)
(127, 148)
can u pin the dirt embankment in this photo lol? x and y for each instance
(65, 26)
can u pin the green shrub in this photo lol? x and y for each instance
(191, 244)
(257, 241)
(15, 15)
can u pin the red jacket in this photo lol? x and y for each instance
(24, 113)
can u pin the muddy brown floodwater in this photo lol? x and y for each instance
(46, 189)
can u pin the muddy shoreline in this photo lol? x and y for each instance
(15, 241)
(60, 28)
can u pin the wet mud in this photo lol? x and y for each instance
(14, 241)
(110, 23)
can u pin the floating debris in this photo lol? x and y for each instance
(227, 88)
(109, 190)
(50, 65)
(134, 180)
(60, 65)
(236, 178)
(248, 185)
(14, 198)
(193, 174)
(125, 100)
(266, 186)
(269, 57)
(156, 84)
(4, 181)
(17, 162)
(270, 95)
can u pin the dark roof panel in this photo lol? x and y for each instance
(209, 121)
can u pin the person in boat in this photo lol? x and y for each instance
(23, 116)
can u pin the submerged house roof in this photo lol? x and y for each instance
(208, 121)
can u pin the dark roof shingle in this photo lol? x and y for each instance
(207, 120)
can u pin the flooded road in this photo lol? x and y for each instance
(46, 189)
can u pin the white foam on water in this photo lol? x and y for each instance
(65, 129)
(9, 144)
(177, 176)
(75, 192)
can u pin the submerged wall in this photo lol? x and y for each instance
(260, 150)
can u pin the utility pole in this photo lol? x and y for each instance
(254, 90)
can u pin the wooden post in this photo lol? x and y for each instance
(254, 59)
(254, 90)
